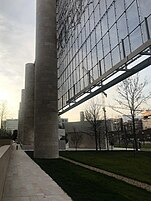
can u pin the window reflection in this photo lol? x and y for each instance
(106, 45)
(104, 24)
(116, 55)
(94, 57)
(95, 72)
(111, 15)
(119, 8)
(145, 9)
(133, 18)
(109, 2)
(97, 14)
(102, 7)
(100, 50)
(113, 36)
(91, 22)
(98, 33)
(122, 27)
(95, 2)
(89, 38)
(135, 39)
(108, 64)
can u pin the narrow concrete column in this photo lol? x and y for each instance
(21, 117)
(19, 126)
(28, 140)
(46, 109)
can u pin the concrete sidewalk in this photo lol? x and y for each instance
(26, 181)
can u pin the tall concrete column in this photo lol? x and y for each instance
(19, 123)
(21, 117)
(46, 111)
(28, 140)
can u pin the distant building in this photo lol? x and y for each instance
(115, 124)
(61, 137)
(61, 133)
(82, 116)
(126, 118)
(61, 121)
(81, 134)
(10, 125)
(146, 119)
(146, 123)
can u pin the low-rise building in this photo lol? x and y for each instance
(81, 135)
(10, 125)
(146, 119)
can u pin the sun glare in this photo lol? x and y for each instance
(3, 96)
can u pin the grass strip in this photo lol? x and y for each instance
(126, 163)
(85, 185)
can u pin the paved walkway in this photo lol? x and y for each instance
(26, 181)
(110, 174)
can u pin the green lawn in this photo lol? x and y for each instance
(146, 146)
(85, 185)
(127, 163)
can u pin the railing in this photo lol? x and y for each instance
(5, 152)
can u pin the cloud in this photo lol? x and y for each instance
(17, 39)
(21, 11)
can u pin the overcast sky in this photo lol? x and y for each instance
(17, 40)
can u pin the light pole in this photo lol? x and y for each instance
(105, 121)
(106, 130)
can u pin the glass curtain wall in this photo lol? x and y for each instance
(91, 35)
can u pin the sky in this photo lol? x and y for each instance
(17, 41)
(17, 47)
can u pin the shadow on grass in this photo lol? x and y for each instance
(85, 185)
(135, 165)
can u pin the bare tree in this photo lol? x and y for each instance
(92, 115)
(3, 111)
(76, 138)
(132, 96)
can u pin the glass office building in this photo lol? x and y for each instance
(94, 37)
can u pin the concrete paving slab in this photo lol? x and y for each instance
(26, 181)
